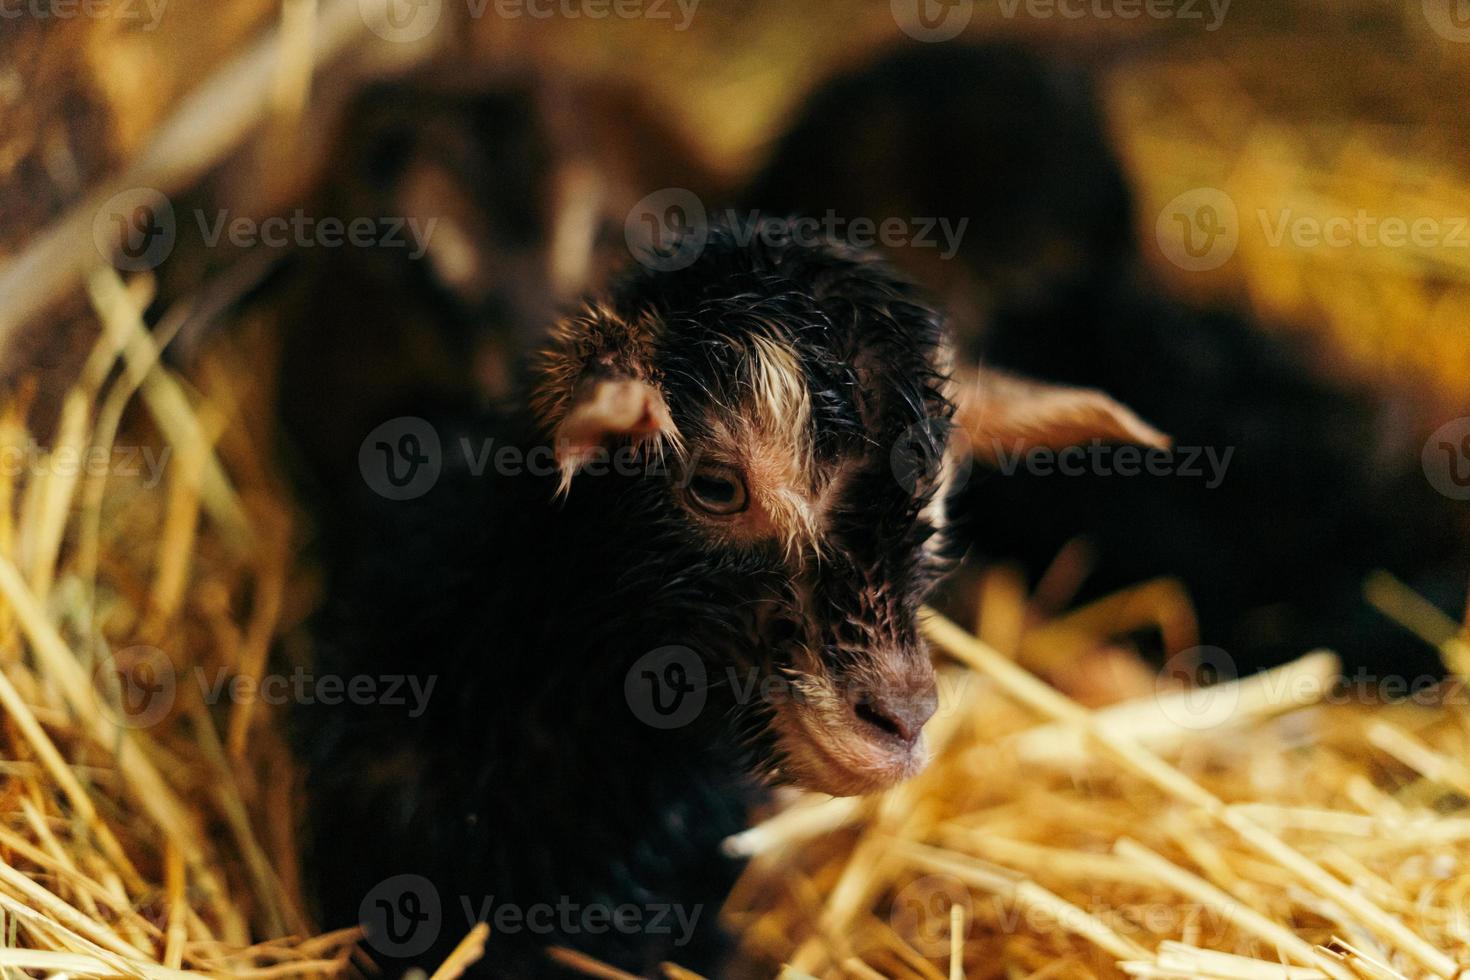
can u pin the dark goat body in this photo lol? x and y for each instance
(1323, 485)
(530, 779)
(1011, 143)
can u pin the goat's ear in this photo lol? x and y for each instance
(1002, 413)
(609, 410)
(598, 388)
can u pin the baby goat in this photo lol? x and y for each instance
(685, 567)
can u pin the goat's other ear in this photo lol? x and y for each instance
(609, 410)
(1003, 413)
(598, 387)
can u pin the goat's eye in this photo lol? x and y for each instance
(717, 492)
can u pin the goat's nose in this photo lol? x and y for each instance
(900, 711)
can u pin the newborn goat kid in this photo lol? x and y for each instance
(722, 485)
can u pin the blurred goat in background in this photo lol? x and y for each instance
(1321, 482)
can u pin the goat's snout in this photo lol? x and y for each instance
(900, 711)
(866, 732)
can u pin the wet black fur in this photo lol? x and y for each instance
(529, 778)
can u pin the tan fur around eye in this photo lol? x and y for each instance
(768, 434)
